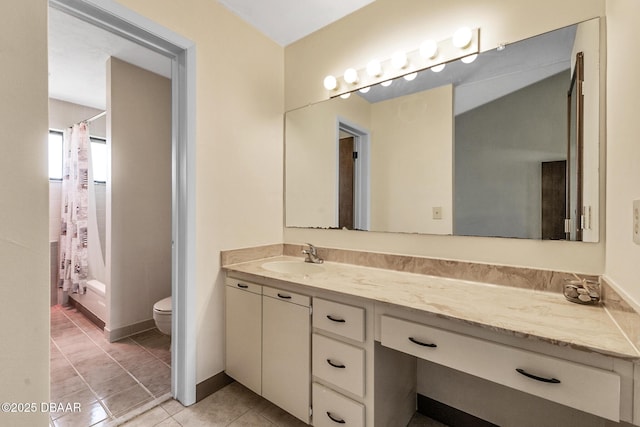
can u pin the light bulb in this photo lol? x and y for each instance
(469, 58)
(438, 68)
(351, 76)
(365, 89)
(374, 69)
(429, 49)
(330, 83)
(386, 83)
(345, 95)
(462, 37)
(409, 77)
(399, 60)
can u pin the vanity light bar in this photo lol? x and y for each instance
(464, 44)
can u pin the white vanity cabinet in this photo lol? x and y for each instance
(351, 383)
(244, 333)
(339, 364)
(286, 332)
(355, 360)
(268, 344)
(562, 381)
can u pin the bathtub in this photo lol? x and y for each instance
(97, 287)
(94, 299)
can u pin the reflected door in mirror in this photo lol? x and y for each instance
(553, 199)
(347, 157)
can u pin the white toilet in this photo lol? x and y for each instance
(162, 315)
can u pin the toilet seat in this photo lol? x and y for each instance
(162, 315)
(163, 306)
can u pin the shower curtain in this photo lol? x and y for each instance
(74, 266)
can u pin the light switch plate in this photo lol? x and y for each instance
(636, 222)
(437, 212)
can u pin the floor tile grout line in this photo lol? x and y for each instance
(107, 411)
(156, 357)
(111, 415)
(142, 409)
(242, 415)
(118, 363)
(100, 400)
(147, 350)
(130, 337)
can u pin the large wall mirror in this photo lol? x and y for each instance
(504, 146)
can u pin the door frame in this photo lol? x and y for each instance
(121, 21)
(361, 144)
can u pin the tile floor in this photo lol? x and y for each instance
(232, 406)
(108, 379)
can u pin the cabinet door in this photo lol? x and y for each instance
(286, 356)
(244, 337)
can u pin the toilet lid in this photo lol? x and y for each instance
(164, 305)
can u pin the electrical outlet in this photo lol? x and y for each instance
(636, 222)
(437, 212)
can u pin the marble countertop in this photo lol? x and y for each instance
(521, 312)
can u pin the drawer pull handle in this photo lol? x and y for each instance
(335, 420)
(335, 365)
(537, 378)
(333, 319)
(240, 285)
(283, 296)
(424, 344)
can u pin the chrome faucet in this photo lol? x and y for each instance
(312, 255)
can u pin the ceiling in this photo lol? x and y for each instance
(78, 54)
(286, 21)
(78, 51)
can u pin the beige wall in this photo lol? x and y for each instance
(412, 162)
(63, 114)
(623, 147)
(24, 247)
(239, 150)
(138, 257)
(387, 25)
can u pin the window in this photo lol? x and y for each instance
(99, 158)
(98, 155)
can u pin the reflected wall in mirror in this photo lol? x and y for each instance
(479, 149)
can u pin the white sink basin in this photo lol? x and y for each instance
(293, 267)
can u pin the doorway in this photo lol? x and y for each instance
(353, 177)
(131, 26)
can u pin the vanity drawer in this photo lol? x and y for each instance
(338, 363)
(340, 319)
(287, 296)
(579, 386)
(245, 286)
(331, 409)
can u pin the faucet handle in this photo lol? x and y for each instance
(312, 254)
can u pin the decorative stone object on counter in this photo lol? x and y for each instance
(582, 291)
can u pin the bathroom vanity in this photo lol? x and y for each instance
(338, 343)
